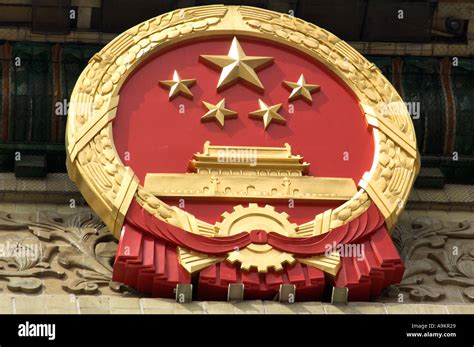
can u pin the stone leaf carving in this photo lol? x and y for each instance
(81, 242)
(418, 291)
(23, 261)
(448, 258)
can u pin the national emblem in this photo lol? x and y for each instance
(247, 209)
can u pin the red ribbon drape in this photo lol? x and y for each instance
(352, 232)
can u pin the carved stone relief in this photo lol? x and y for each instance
(51, 252)
(439, 261)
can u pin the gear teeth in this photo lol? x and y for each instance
(286, 258)
(232, 257)
(278, 267)
(248, 260)
(245, 266)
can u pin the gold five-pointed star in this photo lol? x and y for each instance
(301, 89)
(268, 114)
(238, 66)
(217, 112)
(178, 86)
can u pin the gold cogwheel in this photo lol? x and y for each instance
(255, 217)
(260, 256)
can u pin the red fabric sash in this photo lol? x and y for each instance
(352, 232)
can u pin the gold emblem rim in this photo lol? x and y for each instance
(109, 186)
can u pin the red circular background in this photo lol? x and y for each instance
(159, 138)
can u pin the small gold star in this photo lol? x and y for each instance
(217, 112)
(238, 66)
(178, 86)
(301, 89)
(268, 114)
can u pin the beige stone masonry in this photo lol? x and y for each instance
(72, 304)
